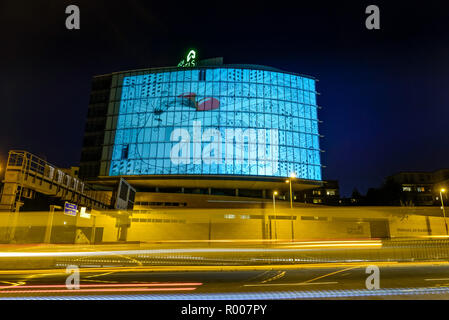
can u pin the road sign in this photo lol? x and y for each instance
(70, 209)
(83, 213)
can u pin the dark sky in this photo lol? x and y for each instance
(384, 93)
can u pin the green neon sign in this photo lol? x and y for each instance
(189, 61)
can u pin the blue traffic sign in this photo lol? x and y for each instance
(70, 209)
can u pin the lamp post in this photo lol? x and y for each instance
(292, 176)
(289, 181)
(274, 201)
(442, 206)
(275, 193)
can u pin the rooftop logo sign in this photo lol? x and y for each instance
(189, 61)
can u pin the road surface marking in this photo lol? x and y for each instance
(279, 275)
(41, 275)
(102, 281)
(330, 274)
(260, 275)
(13, 284)
(99, 275)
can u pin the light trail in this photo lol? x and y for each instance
(299, 247)
(100, 290)
(260, 241)
(337, 245)
(274, 295)
(219, 268)
(200, 268)
(155, 284)
(289, 284)
(442, 279)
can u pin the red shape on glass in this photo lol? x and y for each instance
(205, 104)
(208, 104)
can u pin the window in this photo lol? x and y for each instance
(407, 189)
(125, 151)
(313, 218)
(266, 106)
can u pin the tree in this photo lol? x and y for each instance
(356, 194)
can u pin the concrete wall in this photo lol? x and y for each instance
(243, 224)
(308, 223)
(206, 201)
(31, 226)
(409, 226)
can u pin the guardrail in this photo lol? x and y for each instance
(216, 255)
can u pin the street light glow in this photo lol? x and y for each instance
(292, 175)
(442, 208)
(275, 193)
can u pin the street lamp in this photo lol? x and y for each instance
(442, 206)
(289, 181)
(275, 193)
(274, 201)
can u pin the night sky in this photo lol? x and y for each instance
(384, 93)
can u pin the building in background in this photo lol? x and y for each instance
(203, 128)
(327, 194)
(408, 188)
(421, 188)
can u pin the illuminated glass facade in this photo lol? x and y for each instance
(213, 121)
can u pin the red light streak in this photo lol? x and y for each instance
(158, 284)
(100, 290)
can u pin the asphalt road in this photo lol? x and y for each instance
(336, 281)
(221, 271)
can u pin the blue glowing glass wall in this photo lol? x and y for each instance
(217, 121)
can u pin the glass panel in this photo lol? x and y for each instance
(265, 124)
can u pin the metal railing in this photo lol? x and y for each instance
(31, 168)
(266, 255)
